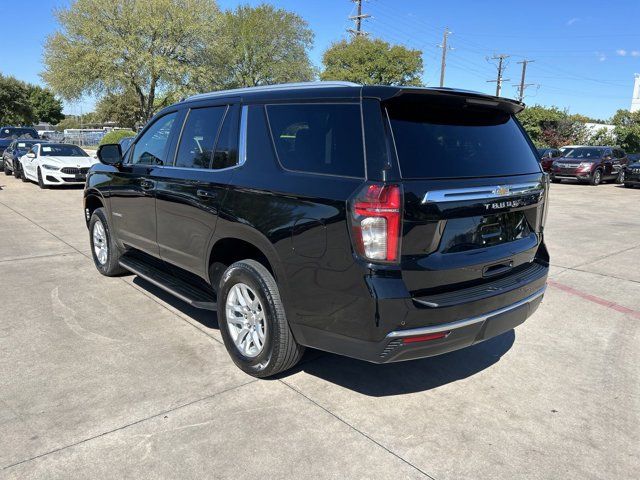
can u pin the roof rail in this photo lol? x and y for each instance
(271, 88)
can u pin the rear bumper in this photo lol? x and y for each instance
(408, 329)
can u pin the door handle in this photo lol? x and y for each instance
(206, 194)
(147, 184)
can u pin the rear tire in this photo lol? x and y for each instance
(41, 183)
(555, 180)
(6, 169)
(278, 351)
(596, 178)
(104, 250)
(628, 185)
(16, 170)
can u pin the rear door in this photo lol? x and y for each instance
(473, 192)
(190, 190)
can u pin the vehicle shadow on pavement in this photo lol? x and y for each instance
(368, 378)
(405, 377)
(207, 318)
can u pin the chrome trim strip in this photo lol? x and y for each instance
(465, 322)
(481, 193)
(242, 143)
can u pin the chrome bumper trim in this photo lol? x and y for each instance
(465, 322)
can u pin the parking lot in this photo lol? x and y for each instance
(111, 377)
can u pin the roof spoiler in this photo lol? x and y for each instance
(459, 98)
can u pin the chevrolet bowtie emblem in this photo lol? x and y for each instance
(502, 191)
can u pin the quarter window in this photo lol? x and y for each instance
(198, 137)
(318, 138)
(151, 148)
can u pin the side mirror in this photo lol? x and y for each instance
(110, 154)
(31, 155)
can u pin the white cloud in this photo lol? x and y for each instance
(635, 53)
(571, 21)
(621, 52)
(601, 56)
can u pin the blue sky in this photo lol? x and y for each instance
(585, 51)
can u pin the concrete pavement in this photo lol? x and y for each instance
(112, 378)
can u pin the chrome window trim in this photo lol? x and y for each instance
(482, 193)
(242, 141)
(465, 322)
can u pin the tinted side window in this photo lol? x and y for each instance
(557, 153)
(150, 149)
(440, 142)
(318, 138)
(199, 136)
(226, 154)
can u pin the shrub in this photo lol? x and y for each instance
(114, 136)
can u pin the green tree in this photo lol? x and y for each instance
(258, 46)
(15, 106)
(121, 108)
(627, 129)
(372, 62)
(602, 136)
(552, 127)
(154, 47)
(46, 107)
(114, 136)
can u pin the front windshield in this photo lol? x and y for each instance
(62, 151)
(585, 153)
(17, 133)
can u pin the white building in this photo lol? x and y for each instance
(635, 100)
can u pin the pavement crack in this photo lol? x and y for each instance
(122, 427)
(368, 437)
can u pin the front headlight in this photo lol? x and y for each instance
(50, 167)
(585, 165)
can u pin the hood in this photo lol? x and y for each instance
(80, 162)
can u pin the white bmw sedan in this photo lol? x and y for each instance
(56, 164)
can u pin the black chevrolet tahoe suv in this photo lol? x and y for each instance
(381, 223)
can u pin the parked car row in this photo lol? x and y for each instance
(48, 164)
(590, 164)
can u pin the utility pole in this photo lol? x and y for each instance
(523, 85)
(358, 21)
(444, 48)
(501, 66)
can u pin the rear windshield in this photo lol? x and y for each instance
(440, 142)
(13, 132)
(53, 150)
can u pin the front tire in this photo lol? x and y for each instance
(41, 183)
(596, 178)
(253, 323)
(23, 176)
(104, 250)
(6, 169)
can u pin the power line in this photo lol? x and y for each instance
(502, 64)
(444, 47)
(357, 19)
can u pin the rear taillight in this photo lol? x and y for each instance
(375, 220)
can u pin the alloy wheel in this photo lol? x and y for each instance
(246, 320)
(100, 246)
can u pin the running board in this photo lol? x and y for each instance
(194, 296)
